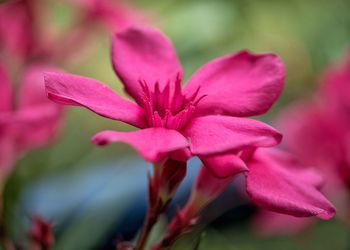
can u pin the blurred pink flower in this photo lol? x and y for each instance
(318, 133)
(321, 135)
(335, 88)
(201, 119)
(27, 118)
(110, 15)
(267, 223)
(113, 14)
(22, 35)
(317, 136)
(16, 27)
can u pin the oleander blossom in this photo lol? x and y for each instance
(27, 119)
(205, 118)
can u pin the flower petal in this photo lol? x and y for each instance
(209, 186)
(144, 54)
(306, 173)
(217, 134)
(224, 165)
(183, 154)
(153, 144)
(5, 90)
(76, 90)
(241, 84)
(284, 189)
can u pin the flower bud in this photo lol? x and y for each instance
(172, 174)
(40, 233)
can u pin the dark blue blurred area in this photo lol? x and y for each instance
(106, 203)
(110, 199)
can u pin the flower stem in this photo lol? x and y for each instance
(178, 226)
(162, 185)
(153, 211)
(150, 220)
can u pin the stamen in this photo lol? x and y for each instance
(177, 99)
(156, 97)
(164, 96)
(199, 99)
(166, 109)
(194, 95)
(157, 120)
(166, 118)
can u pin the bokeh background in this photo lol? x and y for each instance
(91, 194)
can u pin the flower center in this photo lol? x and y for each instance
(168, 108)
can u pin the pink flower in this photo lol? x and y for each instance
(27, 118)
(204, 118)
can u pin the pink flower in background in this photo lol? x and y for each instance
(318, 136)
(266, 223)
(318, 133)
(74, 44)
(335, 88)
(204, 118)
(315, 139)
(114, 14)
(21, 34)
(27, 118)
(16, 27)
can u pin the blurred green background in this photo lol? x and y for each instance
(308, 35)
